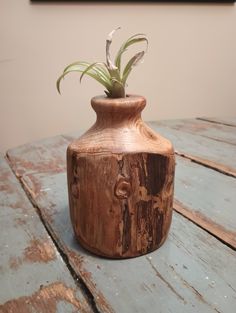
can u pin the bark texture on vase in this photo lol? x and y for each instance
(120, 181)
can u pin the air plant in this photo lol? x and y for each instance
(109, 74)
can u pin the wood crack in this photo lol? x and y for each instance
(165, 281)
(195, 291)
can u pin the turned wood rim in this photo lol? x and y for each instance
(105, 104)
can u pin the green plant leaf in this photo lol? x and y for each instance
(132, 62)
(137, 38)
(84, 65)
(108, 74)
(79, 63)
(81, 67)
(118, 90)
(98, 67)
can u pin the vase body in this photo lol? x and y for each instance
(120, 181)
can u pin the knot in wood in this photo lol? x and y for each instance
(123, 188)
(75, 190)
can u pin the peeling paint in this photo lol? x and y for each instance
(41, 251)
(20, 221)
(15, 262)
(43, 300)
(45, 163)
(4, 182)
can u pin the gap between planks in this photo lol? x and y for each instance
(78, 280)
(215, 121)
(210, 227)
(209, 164)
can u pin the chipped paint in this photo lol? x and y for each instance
(19, 221)
(47, 160)
(50, 167)
(5, 186)
(41, 251)
(14, 262)
(44, 300)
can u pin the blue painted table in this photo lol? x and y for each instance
(43, 269)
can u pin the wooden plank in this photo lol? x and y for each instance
(33, 277)
(217, 155)
(49, 153)
(229, 121)
(206, 129)
(208, 198)
(184, 275)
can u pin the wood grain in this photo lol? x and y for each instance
(120, 181)
(33, 277)
(137, 218)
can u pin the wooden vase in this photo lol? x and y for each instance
(120, 181)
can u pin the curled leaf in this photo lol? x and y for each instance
(97, 67)
(81, 67)
(137, 38)
(132, 62)
(110, 64)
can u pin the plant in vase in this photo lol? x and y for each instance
(120, 173)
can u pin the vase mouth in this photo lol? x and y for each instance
(103, 103)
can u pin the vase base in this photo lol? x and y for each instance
(117, 256)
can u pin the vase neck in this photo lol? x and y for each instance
(117, 112)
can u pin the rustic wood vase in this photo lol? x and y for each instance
(120, 181)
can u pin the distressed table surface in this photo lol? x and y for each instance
(194, 271)
(33, 276)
